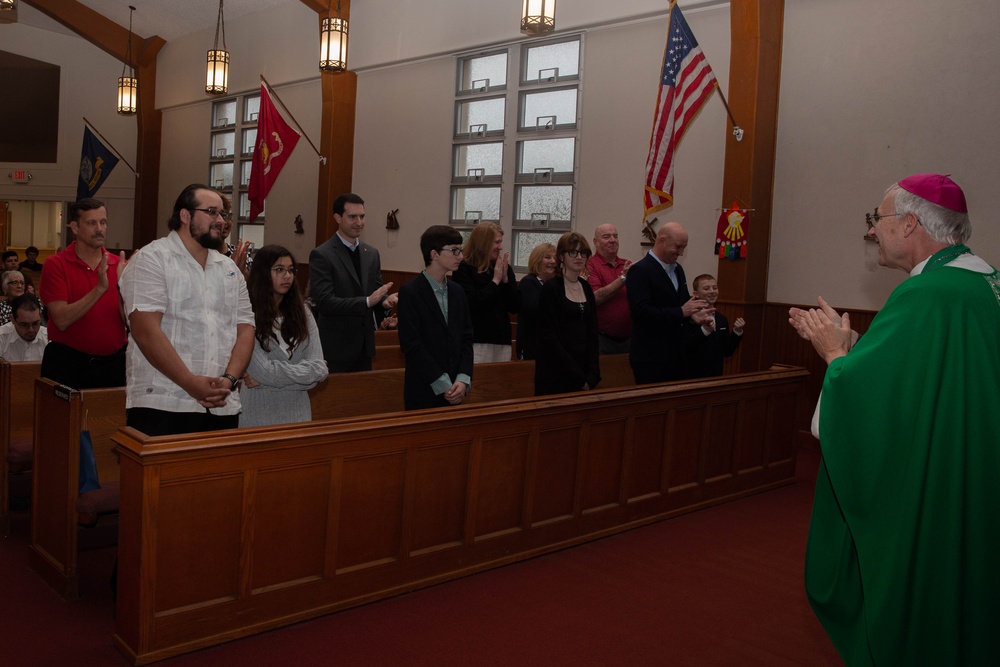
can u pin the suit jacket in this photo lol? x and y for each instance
(346, 324)
(659, 327)
(431, 345)
(705, 354)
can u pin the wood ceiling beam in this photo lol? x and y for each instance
(99, 30)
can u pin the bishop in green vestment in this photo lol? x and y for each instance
(902, 560)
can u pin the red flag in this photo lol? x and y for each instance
(686, 82)
(731, 233)
(275, 142)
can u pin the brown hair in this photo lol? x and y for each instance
(479, 248)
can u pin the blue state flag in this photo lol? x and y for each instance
(96, 163)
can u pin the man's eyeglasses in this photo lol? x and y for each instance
(212, 212)
(28, 325)
(454, 251)
(872, 219)
(280, 270)
(577, 252)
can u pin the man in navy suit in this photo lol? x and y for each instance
(662, 309)
(435, 327)
(345, 277)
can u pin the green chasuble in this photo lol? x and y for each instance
(903, 559)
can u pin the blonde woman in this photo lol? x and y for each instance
(542, 265)
(491, 289)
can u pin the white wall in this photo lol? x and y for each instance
(872, 92)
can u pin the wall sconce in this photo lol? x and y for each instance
(217, 70)
(128, 86)
(8, 5)
(333, 42)
(538, 17)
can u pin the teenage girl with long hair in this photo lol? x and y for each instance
(287, 356)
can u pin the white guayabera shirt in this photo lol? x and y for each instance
(201, 310)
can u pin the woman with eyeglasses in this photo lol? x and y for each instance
(491, 288)
(13, 287)
(567, 324)
(287, 356)
(541, 268)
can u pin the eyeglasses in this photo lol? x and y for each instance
(15, 282)
(454, 251)
(281, 270)
(212, 212)
(577, 253)
(872, 219)
(28, 325)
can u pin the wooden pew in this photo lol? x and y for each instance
(380, 391)
(386, 337)
(60, 416)
(232, 533)
(17, 392)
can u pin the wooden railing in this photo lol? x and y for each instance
(227, 534)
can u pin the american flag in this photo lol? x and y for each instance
(687, 81)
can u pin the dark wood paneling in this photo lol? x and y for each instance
(439, 486)
(502, 473)
(288, 505)
(646, 461)
(371, 510)
(554, 475)
(603, 459)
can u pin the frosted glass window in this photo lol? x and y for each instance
(558, 103)
(564, 56)
(245, 168)
(525, 242)
(224, 113)
(555, 200)
(555, 154)
(251, 109)
(483, 70)
(249, 140)
(480, 112)
(484, 200)
(488, 157)
(222, 144)
(222, 176)
(253, 233)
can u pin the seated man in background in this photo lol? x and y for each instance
(24, 338)
(711, 343)
(13, 287)
(435, 327)
(30, 262)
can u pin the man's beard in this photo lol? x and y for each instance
(207, 240)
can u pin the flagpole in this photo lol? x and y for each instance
(737, 130)
(110, 145)
(301, 131)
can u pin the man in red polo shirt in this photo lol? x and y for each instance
(607, 278)
(87, 334)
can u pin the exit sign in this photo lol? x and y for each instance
(20, 176)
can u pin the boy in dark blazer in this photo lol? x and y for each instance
(713, 341)
(435, 328)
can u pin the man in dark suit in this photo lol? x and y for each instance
(714, 341)
(435, 327)
(662, 309)
(345, 277)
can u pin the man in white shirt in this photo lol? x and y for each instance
(192, 326)
(24, 338)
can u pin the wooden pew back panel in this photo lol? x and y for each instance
(17, 395)
(59, 420)
(231, 533)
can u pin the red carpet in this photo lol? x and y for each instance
(719, 587)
